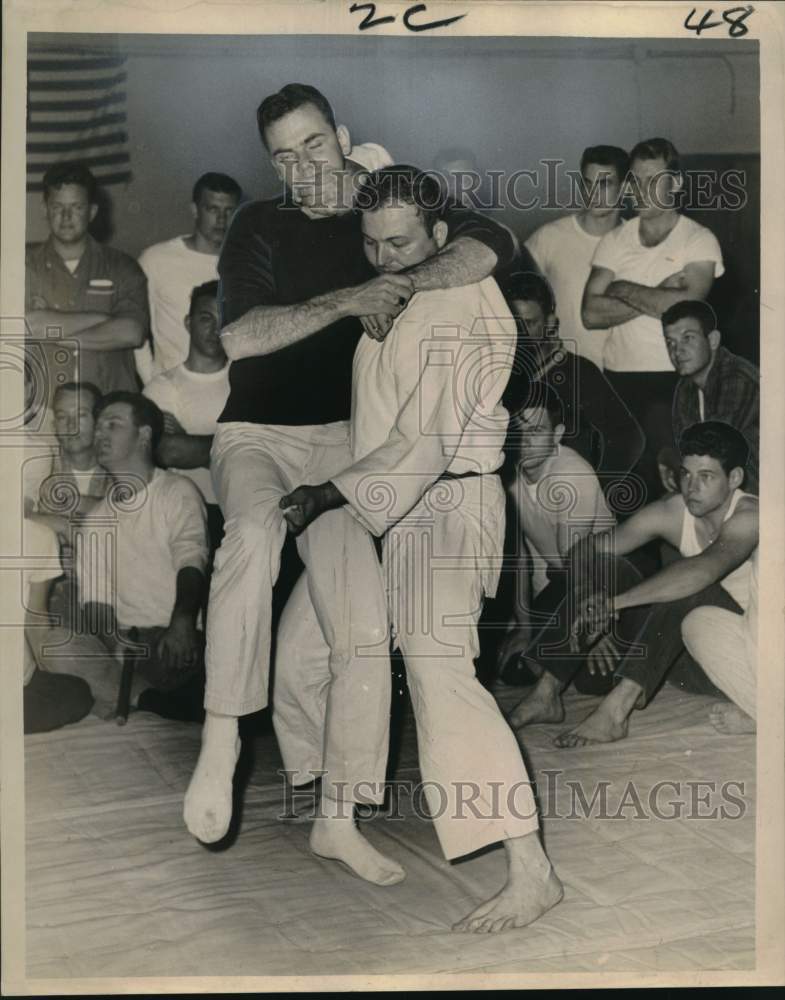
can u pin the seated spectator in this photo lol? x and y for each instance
(50, 700)
(557, 500)
(726, 647)
(176, 266)
(563, 249)
(192, 396)
(75, 463)
(714, 384)
(94, 295)
(715, 527)
(598, 424)
(140, 561)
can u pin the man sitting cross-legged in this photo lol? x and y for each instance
(140, 556)
(427, 433)
(714, 525)
(557, 500)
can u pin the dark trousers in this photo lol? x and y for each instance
(649, 397)
(649, 637)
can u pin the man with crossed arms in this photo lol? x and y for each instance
(427, 433)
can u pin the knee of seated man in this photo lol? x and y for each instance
(695, 625)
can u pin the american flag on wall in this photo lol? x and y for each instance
(76, 111)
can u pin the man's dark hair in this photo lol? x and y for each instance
(288, 99)
(79, 388)
(209, 289)
(716, 439)
(218, 184)
(691, 309)
(534, 396)
(403, 184)
(607, 156)
(655, 149)
(60, 174)
(527, 286)
(145, 412)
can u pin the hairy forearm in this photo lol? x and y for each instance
(602, 311)
(189, 593)
(266, 329)
(185, 451)
(463, 262)
(92, 331)
(649, 301)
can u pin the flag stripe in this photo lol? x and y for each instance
(98, 102)
(71, 63)
(78, 125)
(57, 85)
(72, 145)
(90, 161)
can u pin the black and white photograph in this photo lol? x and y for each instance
(393, 491)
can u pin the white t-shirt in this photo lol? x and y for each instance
(416, 412)
(567, 491)
(563, 251)
(173, 271)
(158, 532)
(196, 400)
(639, 345)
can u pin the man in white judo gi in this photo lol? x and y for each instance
(427, 432)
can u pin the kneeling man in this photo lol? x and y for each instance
(427, 434)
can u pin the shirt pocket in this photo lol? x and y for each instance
(100, 295)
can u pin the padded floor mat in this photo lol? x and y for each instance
(117, 887)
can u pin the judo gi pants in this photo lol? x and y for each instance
(253, 466)
(439, 561)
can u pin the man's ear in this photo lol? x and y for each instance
(736, 478)
(344, 139)
(440, 233)
(187, 322)
(714, 339)
(194, 210)
(558, 433)
(93, 211)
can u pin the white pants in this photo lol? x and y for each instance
(723, 645)
(253, 466)
(439, 560)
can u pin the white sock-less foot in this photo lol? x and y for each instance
(334, 835)
(207, 809)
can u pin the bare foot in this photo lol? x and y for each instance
(609, 722)
(729, 719)
(542, 704)
(207, 809)
(532, 888)
(338, 839)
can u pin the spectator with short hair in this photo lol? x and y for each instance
(93, 294)
(714, 384)
(192, 396)
(639, 270)
(140, 561)
(176, 266)
(563, 249)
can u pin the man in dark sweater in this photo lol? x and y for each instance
(295, 284)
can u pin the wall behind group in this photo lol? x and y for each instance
(513, 101)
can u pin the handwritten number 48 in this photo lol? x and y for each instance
(736, 26)
(372, 21)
